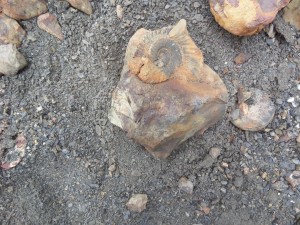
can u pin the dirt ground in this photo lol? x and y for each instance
(61, 100)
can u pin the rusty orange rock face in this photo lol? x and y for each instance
(23, 9)
(49, 23)
(166, 93)
(245, 17)
(10, 31)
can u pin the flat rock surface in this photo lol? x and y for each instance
(61, 100)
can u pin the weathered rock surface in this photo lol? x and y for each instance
(24, 9)
(10, 31)
(49, 23)
(166, 93)
(292, 13)
(254, 110)
(11, 60)
(245, 17)
(186, 185)
(137, 203)
(82, 5)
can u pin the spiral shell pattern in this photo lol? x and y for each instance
(166, 54)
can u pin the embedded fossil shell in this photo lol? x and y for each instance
(245, 17)
(10, 31)
(255, 110)
(23, 9)
(166, 93)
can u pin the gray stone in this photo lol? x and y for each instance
(11, 60)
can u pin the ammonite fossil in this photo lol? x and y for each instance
(245, 17)
(166, 93)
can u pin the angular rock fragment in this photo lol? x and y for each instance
(49, 23)
(24, 9)
(14, 156)
(137, 203)
(254, 110)
(242, 58)
(82, 5)
(294, 179)
(245, 17)
(292, 13)
(186, 185)
(11, 60)
(166, 93)
(10, 31)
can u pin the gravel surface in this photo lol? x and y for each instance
(80, 169)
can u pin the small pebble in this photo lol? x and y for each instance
(298, 87)
(185, 185)
(298, 139)
(119, 11)
(291, 99)
(224, 165)
(197, 4)
(215, 152)
(137, 203)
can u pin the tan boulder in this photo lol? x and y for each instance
(245, 17)
(11, 60)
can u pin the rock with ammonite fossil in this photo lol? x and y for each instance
(245, 17)
(166, 93)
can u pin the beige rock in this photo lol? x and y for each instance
(49, 23)
(82, 5)
(242, 58)
(245, 17)
(254, 110)
(294, 179)
(10, 31)
(166, 93)
(215, 152)
(186, 185)
(137, 203)
(298, 138)
(292, 13)
(24, 9)
(119, 11)
(11, 60)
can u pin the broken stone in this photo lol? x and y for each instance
(166, 93)
(242, 58)
(24, 9)
(292, 13)
(137, 203)
(185, 185)
(245, 17)
(49, 23)
(119, 11)
(298, 139)
(82, 5)
(215, 152)
(255, 111)
(294, 179)
(10, 31)
(11, 60)
(14, 156)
